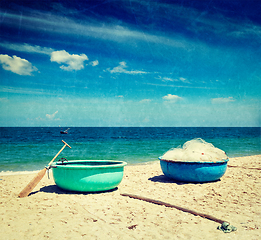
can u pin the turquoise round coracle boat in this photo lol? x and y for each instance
(88, 175)
(196, 172)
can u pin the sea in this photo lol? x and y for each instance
(32, 148)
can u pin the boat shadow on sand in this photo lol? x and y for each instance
(57, 190)
(160, 178)
(163, 179)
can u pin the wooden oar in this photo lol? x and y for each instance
(31, 185)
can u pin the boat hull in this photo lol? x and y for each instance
(88, 175)
(196, 172)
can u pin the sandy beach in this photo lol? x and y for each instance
(51, 213)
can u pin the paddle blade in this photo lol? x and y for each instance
(31, 185)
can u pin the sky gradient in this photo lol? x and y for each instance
(130, 63)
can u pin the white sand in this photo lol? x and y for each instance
(50, 213)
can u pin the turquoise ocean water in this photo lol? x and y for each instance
(32, 148)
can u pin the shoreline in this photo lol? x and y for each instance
(49, 212)
(11, 173)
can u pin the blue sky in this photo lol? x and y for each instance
(130, 63)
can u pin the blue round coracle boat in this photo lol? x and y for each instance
(88, 175)
(196, 172)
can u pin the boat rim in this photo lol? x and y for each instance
(194, 162)
(69, 164)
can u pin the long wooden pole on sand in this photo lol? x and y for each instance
(174, 206)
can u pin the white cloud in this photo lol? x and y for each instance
(94, 63)
(177, 86)
(146, 120)
(145, 101)
(195, 21)
(73, 61)
(27, 48)
(51, 23)
(172, 98)
(222, 100)
(19, 90)
(168, 79)
(183, 80)
(17, 65)
(121, 69)
(4, 100)
(51, 116)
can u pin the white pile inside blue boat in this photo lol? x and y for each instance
(196, 150)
